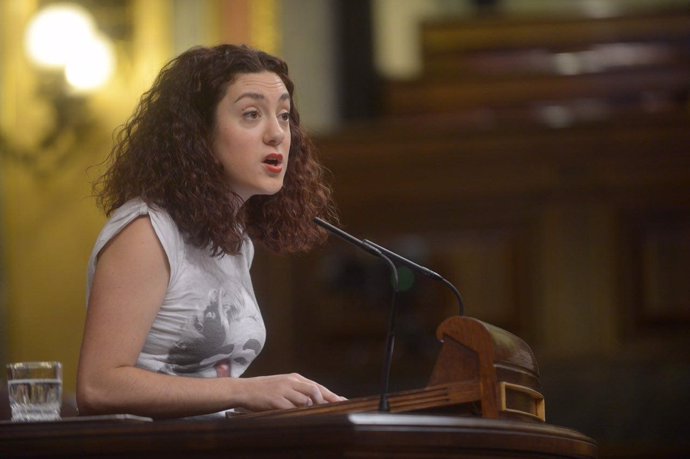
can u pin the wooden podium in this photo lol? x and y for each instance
(361, 435)
(483, 400)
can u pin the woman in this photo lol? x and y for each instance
(213, 155)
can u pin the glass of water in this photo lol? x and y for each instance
(35, 390)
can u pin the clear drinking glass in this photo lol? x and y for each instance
(35, 390)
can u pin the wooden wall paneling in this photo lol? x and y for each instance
(666, 263)
(273, 277)
(654, 266)
(575, 297)
(633, 88)
(493, 33)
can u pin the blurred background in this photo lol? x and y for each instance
(536, 153)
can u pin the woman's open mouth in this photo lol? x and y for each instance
(274, 163)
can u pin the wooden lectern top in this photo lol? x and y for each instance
(481, 370)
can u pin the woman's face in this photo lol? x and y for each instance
(252, 133)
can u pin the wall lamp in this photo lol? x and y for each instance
(72, 59)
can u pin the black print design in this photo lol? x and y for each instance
(252, 344)
(208, 335)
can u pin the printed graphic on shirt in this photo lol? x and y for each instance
(215, 334)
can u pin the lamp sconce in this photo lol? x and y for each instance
(73, 59)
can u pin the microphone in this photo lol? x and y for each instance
(390, 337)
(385, 254)
(426, 271)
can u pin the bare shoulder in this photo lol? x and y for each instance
(139, 231)
(136, 246)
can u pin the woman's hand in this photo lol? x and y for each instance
(282, 392)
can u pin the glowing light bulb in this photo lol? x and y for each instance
(55, 31)
(64, 36)
(91, 65)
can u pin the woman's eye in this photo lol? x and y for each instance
(285, 116)
(251, 115)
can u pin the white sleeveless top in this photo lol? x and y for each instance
(209, 315)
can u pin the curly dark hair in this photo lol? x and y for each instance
(163, 155)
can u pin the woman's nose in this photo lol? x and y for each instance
(275, 132)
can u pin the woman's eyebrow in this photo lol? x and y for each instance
(258, 96)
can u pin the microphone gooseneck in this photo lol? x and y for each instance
(390, 338)
(426, 271)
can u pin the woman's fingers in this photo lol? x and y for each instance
(330, 397)
(288, 391)
(320, 394)
(300, 399)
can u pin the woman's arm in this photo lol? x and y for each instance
(128, 288)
